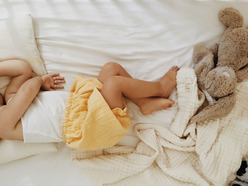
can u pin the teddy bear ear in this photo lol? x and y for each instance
(231, 17)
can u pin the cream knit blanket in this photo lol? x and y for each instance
(186, 154)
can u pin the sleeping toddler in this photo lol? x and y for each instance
(93, 115)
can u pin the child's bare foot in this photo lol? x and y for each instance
(149, 105)
(169, 82)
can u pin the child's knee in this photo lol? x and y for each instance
(112, 67)
(25, 69)
(112, 81)
(112, 92)
(111, 84)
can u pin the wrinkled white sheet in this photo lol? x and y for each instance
(80, 36)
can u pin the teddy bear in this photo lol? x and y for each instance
(218, 69)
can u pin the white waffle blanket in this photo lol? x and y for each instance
(208, 153)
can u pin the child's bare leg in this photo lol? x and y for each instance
(149, 105)
(146, 105)
(169, 81)
(19, 71)
(117, 86)
(112, 69)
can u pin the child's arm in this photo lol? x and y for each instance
(19, 71)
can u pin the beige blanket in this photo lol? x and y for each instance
(207, 153)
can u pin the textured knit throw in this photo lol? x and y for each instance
(205, 154)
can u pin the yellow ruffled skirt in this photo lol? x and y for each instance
(89, 123)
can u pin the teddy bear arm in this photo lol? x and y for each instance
(217, 110)
(242, 74)
(214, 49)
(200, 51)
(205, 65)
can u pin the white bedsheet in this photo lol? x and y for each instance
(79, 36)
(48, 169)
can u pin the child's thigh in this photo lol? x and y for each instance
(111, 91)
(111, 69)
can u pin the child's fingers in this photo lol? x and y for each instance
(58, 78)
(58, 86)
(59, 81)
(55, 74)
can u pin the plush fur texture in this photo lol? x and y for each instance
(219, 68)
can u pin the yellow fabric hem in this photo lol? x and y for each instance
(89, 122)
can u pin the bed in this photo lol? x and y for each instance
(75, 37)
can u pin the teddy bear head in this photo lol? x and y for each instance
(233, 44)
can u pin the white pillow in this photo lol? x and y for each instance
(17, 41)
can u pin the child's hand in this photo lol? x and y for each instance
(52, 81)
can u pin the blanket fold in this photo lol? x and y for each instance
(206, 153)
